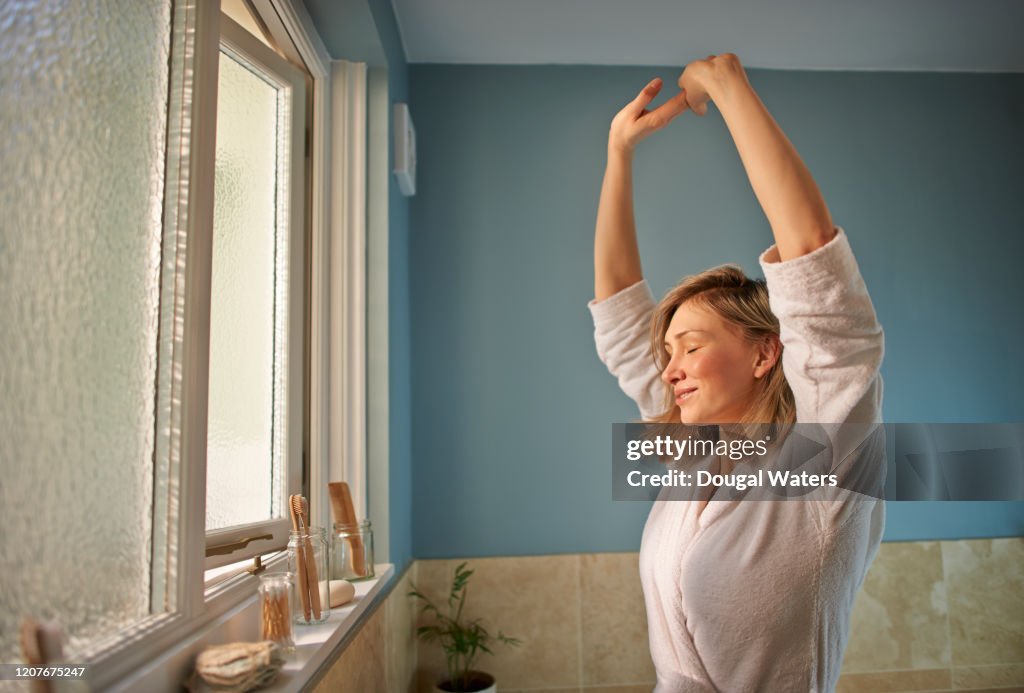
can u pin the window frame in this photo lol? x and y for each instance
(239, 41)
(288, 26)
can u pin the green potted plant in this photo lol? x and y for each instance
(462, 640)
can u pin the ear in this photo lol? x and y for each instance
(769, 351)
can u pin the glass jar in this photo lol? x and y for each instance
(308, 559)
(276, 609)
(352, 551)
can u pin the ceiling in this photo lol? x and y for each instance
(918, 35)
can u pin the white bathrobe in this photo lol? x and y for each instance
(757, 595)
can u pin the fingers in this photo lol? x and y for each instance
(646, 95)
(691, 83)
(666, 112)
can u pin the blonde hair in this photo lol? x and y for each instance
(742, 302)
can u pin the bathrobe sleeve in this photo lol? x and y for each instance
(832, 352)
(622, 325)
(832, 342)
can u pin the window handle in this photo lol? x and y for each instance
(221, 549)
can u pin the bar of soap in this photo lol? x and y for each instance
(342, 592)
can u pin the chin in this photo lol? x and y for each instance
(688, 419)
(696, 419)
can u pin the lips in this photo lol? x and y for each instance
(684, 393)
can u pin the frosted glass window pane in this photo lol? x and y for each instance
(83, 104)
(242, 467)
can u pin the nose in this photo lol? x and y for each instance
(673, 370)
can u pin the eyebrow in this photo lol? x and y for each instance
(681, 334)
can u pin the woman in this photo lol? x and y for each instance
(744, 596)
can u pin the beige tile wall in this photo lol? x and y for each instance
(382, 656)
(932, 616)
(939, 616)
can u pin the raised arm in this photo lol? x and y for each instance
(788, 195)
(616, 254)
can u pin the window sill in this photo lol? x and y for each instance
(314, 645)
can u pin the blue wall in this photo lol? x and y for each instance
(511, 407)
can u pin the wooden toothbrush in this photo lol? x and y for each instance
(300, 554)
(312, 575)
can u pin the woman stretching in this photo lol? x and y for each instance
(744, 596)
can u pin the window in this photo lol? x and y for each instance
(84, 102)
(255, 426)
(112, 376)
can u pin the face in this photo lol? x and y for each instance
(713, 370)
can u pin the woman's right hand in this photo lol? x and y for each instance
(634, 122)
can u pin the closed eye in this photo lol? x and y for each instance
(690, 351)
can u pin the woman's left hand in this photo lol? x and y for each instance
(703, 80)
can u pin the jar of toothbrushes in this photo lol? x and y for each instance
(276, 613)
(308, 559)
(352, 551)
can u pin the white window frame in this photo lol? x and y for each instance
(338, 301)
(337, 243)
(348, 281)
(239, 41)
